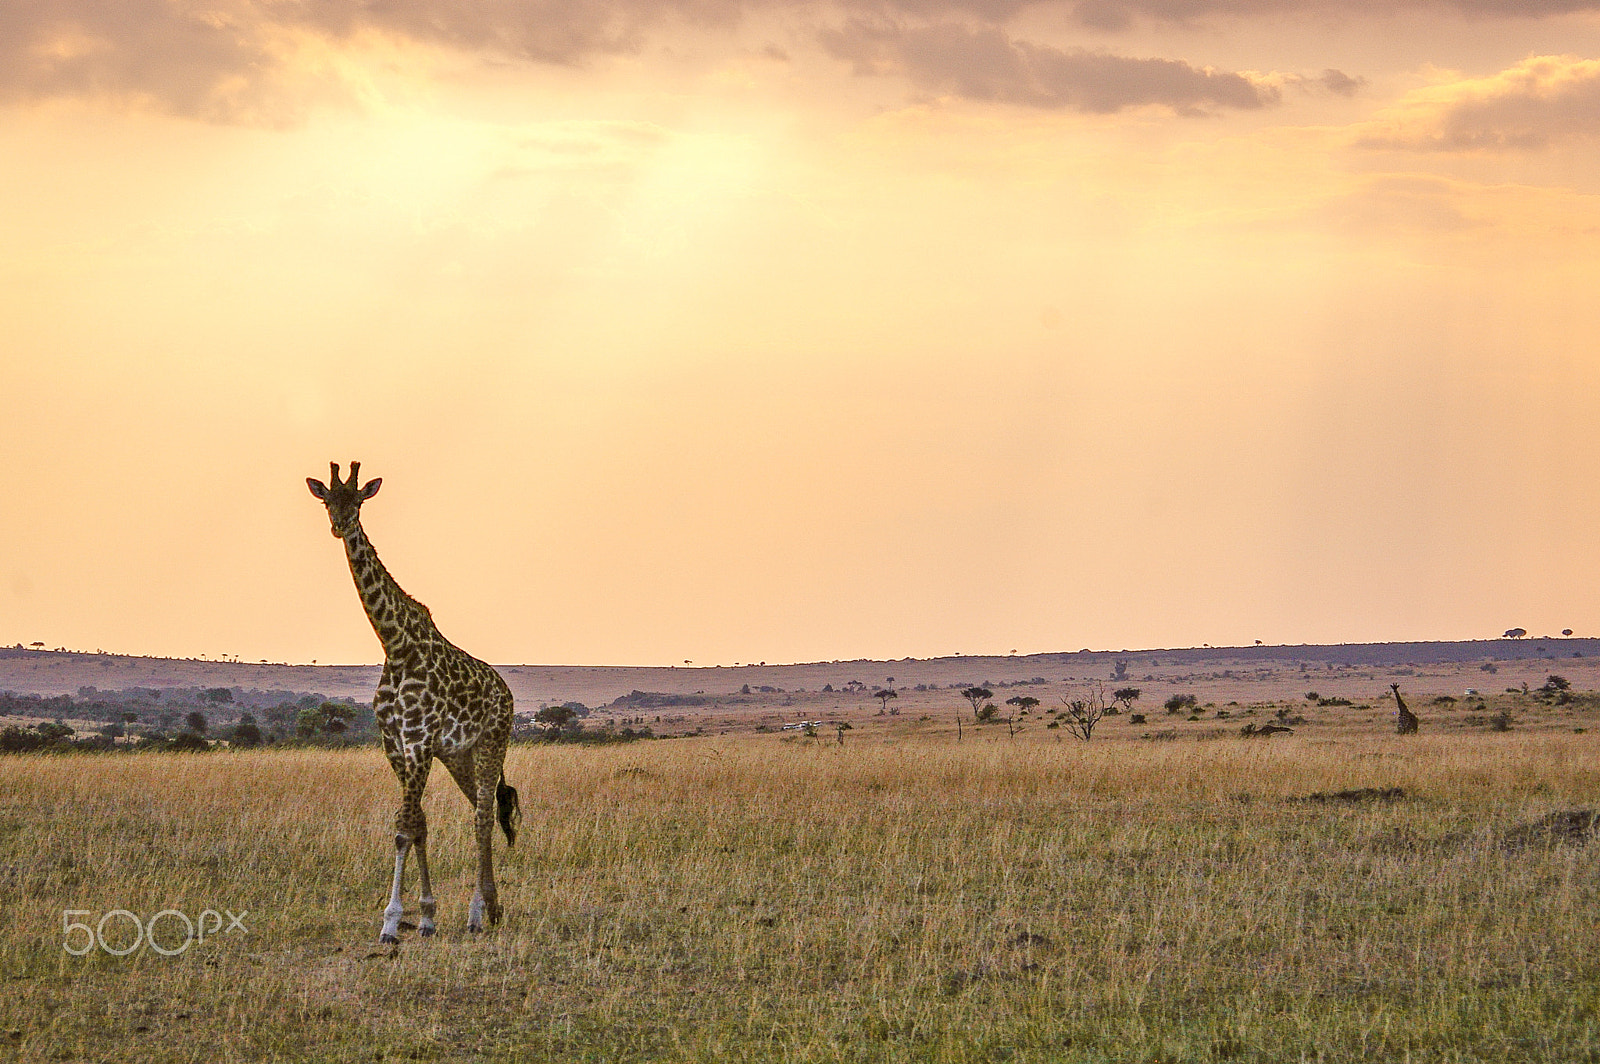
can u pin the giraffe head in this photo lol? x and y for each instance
(343, 499)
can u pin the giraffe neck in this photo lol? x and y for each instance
(399, 619)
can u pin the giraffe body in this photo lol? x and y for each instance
(434, 700)
(1405, 722)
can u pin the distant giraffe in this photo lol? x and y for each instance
(1405, 722)
(433, 700)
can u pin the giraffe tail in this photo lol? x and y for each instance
(505, 797)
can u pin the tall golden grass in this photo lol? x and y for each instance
(768, 900)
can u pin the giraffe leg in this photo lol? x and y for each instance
(410, 826)
(425, 926)
(391, 915)
(485, 900)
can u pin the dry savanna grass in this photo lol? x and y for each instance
(762, 899)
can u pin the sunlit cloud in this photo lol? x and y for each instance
(1538, 102)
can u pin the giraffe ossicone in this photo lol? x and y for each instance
(434, 700)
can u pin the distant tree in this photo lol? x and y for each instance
(977, 696)
(1084, 713)
(307, 721)
(130, 718)
(1024, 703)
(1553, 684)
(196, 722)
(1126, 695)
(111, 731)
(218, 695)
(246, 733)
(883, 695)
(554, 716)
(1566, 631)
(1120, 671)
(335, 717)
(1515, 633)
(283, 714)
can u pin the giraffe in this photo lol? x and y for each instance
(1405, 722)
(433, 700)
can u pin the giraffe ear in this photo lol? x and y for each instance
(318, 488)
(372, 488)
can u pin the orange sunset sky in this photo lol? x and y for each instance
(771, 330)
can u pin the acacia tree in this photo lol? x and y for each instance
(1024, 703)
(555, 716)
(883, 695)
(977, 696)
(1084, 713)
(1126, 695)
(196, 722)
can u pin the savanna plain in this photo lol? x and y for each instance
(1176, 891)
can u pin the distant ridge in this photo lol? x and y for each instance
(48, 672)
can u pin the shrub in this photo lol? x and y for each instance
(15, 740)
(1179, 703)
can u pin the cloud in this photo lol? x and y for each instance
(1339, 83)
(202, 63)
(1542, 100)
(241, 60)
(1119, 14)
(987, 65)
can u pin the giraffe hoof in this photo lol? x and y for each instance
(388, 940)
(426, 932)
